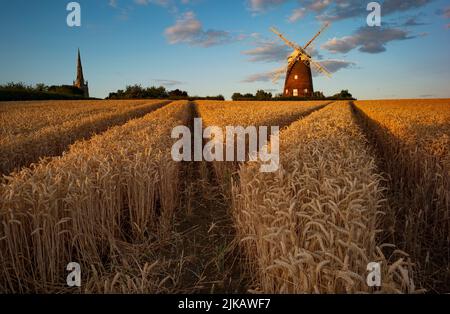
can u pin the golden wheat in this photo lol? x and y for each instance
(250, 113)
(117, 190)
(36, 141)
(311, 227)
(24, 117)
(413, 137)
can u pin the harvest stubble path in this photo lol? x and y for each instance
(211, 259)
(205, 232)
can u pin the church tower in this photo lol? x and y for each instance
(80, 78)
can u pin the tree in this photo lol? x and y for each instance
(16, 86)
(156, 92)
(262, 95)
(237, 96)
(41, 87)
(134, 92)
(65, 90)
(178, 93)
(21, 91)
(318, 95)
(344, 94)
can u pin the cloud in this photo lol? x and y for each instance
(413, 21)
(169, 83)
(163, 3)
(297, 14)
(124, 11)
(343, 45)
(340, 9)
(334, 66)
(186, 29)
(335, 10)
(351, 8)
(170, 5)
(259, 6)
(314, 52)
(446, 12)
(343, 10)
(268, 52)
(368, 39)
(189, 30)
(112, 3)
(319, 5)
(260, 77)
(392, 6)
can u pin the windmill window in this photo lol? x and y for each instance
(295, 92)
(306, 91)
(287, 91)
(296, 77)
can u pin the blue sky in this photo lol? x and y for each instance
(211, 47)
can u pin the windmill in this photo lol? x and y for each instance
(298, 81)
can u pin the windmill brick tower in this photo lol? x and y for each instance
(80, 83)
(298, 81)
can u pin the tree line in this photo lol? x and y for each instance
(153, 92)
(20, 91)
(262, 95)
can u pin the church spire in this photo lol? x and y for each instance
(80, 77)
(80, 83)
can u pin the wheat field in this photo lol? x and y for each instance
(95, 183)
(414, 144)
(312, 227)
(89, 203)
(244, 113)
(50, 133)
